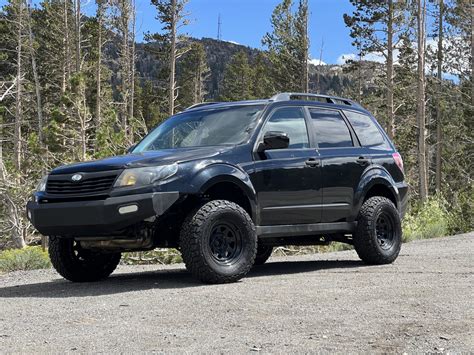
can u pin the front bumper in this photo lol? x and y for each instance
(93, 218)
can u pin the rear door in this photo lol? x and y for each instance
(343, 161)
(288, 181)
(370, 136)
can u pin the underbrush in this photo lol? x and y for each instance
(424, 221)
(156, 256)
(29, 258)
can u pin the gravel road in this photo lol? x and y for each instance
(314, 303)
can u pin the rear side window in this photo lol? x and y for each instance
(291, 121)
(366, 129)
(330, 129)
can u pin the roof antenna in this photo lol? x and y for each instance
(219, 30)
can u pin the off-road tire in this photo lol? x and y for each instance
(366, 242)
(263, 253)
(80, 265)
(196, 242)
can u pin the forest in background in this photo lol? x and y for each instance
(76, 87)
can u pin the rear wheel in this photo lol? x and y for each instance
(378, 237)
(218, 242)
(77, 264)
(263, 253)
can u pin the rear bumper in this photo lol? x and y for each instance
(93, 218)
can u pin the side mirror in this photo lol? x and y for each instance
(130, 149)
(274, 140)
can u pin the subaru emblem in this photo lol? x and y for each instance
(76, 177)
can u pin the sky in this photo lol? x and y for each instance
(247, 21)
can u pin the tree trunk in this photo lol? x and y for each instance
(172, 57)
(318, 82)
(439, 119)
(66, 50)
(390, 105)
(472, 54)
(125, 74)
(132, 71)
(39, 106)
(305, 49)
(78, 36)
(420, 112)
(17, 146)
(98, 102)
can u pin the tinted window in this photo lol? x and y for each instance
(330, 129)
(366, 130)
(290, 120)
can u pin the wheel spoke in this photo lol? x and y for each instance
(225, 243)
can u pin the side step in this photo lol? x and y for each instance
(293, 230)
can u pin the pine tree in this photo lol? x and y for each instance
(263, 85)
(238, 79)
(302, 42)
(172, 14)
(376, 27)
(421, 97)
(288, 46)
(194, 72)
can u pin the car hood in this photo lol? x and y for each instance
(161, 157)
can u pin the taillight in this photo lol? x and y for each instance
(398, 160)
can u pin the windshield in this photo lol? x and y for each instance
(210, 127)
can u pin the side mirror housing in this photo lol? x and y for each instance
(274, 140)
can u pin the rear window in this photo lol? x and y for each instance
(366, 130)
(330, 129)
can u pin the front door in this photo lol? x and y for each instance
(288, 181)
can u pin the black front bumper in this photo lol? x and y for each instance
(94, 218)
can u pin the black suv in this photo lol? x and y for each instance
(225, 183)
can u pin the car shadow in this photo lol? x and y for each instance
(160, 279)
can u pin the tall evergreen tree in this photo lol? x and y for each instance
(238, 79)
(288, 46)
(375, 28)
(172, 14)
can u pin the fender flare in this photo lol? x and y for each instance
(375, 175)
(221, 172)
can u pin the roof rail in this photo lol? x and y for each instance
(287, 96)
(201, 104)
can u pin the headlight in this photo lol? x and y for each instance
(42, 184)
(145, 176)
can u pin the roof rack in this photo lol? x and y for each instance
(287, 96)
(201, 104)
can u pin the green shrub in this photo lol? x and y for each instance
(461, 212)
(428, 220)
(28, 258)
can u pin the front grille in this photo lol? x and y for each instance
(90, 183)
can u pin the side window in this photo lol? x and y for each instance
(330, 129)
(290, 120)
(366, 129)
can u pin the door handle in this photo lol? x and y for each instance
(312, 162)
(362, 161)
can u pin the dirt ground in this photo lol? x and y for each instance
(314, 303)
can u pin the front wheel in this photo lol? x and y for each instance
(218, 242)
(76, 264)
(378, 237)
